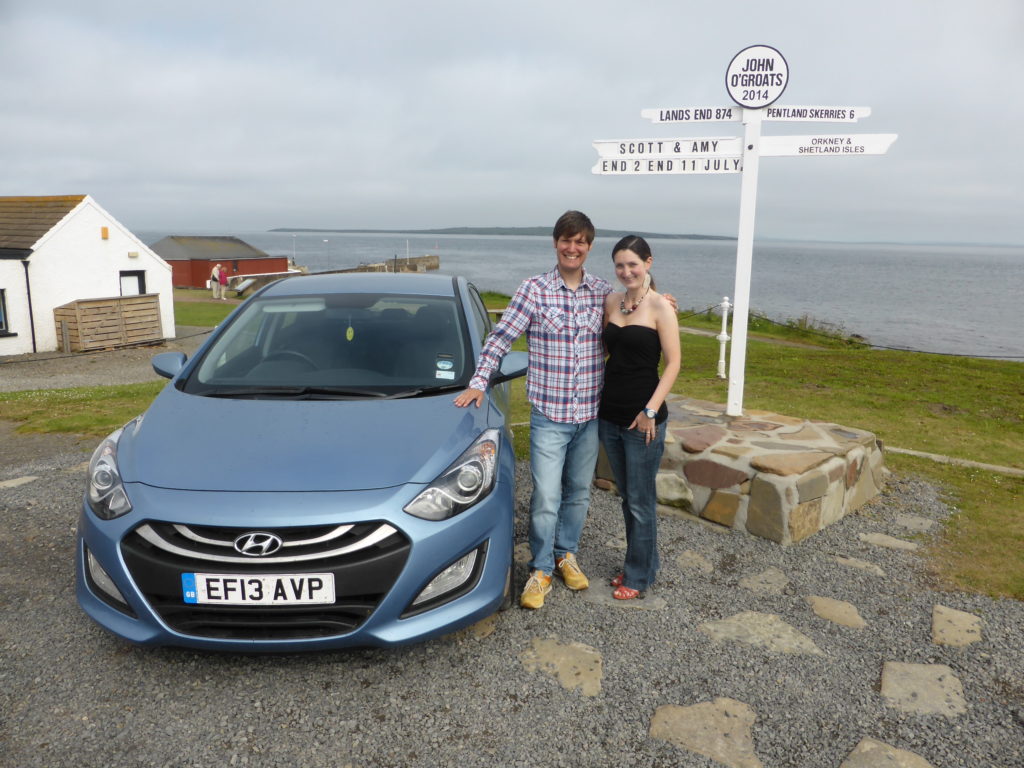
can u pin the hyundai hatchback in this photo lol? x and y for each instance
(305, 481)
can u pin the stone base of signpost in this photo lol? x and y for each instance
(773, 476)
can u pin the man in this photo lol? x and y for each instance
(561, 314)
(215, 281)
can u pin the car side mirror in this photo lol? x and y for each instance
(513, 365)
(168, 364)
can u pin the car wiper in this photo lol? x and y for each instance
(253, 392)
(425, 391)
(295, 393)
(341, 392)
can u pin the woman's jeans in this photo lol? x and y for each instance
(562, 460)
(635, 466)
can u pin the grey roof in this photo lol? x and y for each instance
(208, 248)
(23, 220)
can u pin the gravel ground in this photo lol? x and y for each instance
(72, 695)
(89, 369)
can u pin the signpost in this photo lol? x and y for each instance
(755, 79)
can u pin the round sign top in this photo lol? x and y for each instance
(756, 76)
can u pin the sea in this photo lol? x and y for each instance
(946, 299)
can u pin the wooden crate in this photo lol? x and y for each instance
(120, 321)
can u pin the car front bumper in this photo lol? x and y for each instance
(381, 583)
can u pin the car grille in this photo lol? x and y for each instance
(365, 558)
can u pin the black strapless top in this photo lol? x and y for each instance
(630, 374)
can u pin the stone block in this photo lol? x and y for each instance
(833, 504)
(812, 485)
(804, 520)
(862, 492)
(697, 439)
(954, 628)
(807, 433)
(854, 464)
(701, 496)
(721, 508)
(732, 451)
(876, 461)
(791, 421)
(779, 445)
(671, 463)
(747, 425)
(789, 463)
(713, 475)
(923, 689)
(673, 491)
(766, 511)
(849, 435)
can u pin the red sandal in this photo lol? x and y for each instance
(623, 592)
(617, 581)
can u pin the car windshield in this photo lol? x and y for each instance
(337, 346)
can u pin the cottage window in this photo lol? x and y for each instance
(133, 283)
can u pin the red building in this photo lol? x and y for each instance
(192, 258)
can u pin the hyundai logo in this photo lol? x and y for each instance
(258, 544)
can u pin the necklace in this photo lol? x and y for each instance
(632, 309)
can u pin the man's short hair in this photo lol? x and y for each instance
(572, 223)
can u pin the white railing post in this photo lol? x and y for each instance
(723, 337)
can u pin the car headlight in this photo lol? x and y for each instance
(106, 494)
(468, 480)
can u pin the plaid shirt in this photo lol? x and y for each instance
(563, 332)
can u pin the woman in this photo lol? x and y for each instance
(640, 326)
(223, 279)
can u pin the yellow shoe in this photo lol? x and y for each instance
(569, 570)
(538, 585)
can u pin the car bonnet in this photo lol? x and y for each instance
(217, 444)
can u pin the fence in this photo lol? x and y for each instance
(122, 321)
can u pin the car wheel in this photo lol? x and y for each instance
(506, 601)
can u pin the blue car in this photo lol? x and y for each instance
(305, 481)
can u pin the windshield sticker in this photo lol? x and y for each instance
(445, 363)
(444, 375)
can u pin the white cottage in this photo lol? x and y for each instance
(62, 249)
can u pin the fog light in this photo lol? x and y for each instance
(452, 577)
(101, 580)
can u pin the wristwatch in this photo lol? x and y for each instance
(650, 413)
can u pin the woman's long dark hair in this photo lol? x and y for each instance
(637, 245)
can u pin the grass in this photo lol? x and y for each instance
(89, 411)
(980, 547)
(961, 407)
(194, 307)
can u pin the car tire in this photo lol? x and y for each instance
(506, 601)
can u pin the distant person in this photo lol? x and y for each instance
(560, 312)
(222, 278)
(215, 281)
(640, 326)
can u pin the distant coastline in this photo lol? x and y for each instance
(478, 231)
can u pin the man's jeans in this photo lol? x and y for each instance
(562, 460)
(635, 467)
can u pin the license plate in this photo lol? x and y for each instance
(262, 589)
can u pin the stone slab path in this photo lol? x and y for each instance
(913, 685)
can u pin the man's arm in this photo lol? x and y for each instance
(513, 324)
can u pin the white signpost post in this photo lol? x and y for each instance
(755, 79)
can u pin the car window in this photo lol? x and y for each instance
(480, 312)
(381, 343)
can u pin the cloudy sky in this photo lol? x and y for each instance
(231, 116)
